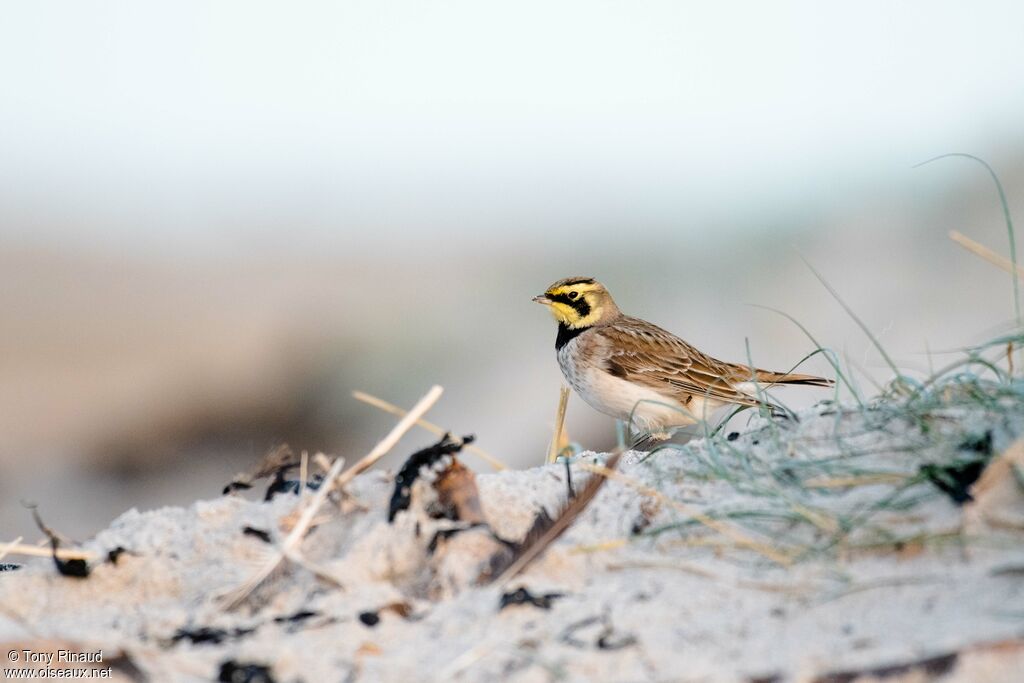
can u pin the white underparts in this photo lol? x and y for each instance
(648, 410)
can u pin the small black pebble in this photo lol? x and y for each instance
(78, 569)
(979, 444)
(258, 533)
(236, 486)
(755, 442)
(199, 636)
(521, 596)
(733, 436)
(114, 555)
(606, 641)
(239, 672)
(298, 616)
(370, 619)
(954, 480)
(206, 635)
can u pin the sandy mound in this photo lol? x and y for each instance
(829, 549)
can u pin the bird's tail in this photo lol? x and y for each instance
(769, 377)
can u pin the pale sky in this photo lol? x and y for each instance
(199, 124)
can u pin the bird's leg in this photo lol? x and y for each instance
(568, 480)
(775, 411)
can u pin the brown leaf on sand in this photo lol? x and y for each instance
(546, 531)
(458, 495)
(999, 492)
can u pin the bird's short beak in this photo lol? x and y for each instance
(542, 299)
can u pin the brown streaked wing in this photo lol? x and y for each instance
(650, 356)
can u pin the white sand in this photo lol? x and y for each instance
(687, 604)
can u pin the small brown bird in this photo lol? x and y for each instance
(639, 373)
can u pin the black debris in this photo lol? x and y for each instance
(444, 534)
(788, 475)
(932, 668)
(205, 635)
(648, 511)
(732, 436)
(954, 480)
(609, 640)
(76, 568)
(522, 596)
(276, 463)
(282, 485)
(568, 636)
(9, 567)
(299, 616)
(370, 619)
(244, 672)
(261, 534)
(114, 555)
(978, 444)
(606, 638)
(236, 486)
(413, 466)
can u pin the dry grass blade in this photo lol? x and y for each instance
(16, 548)
(532, 548)
(613, 544)
(727, 530)
(978, 249)
(556, 437)
(333, 478)
(8, 546)
(857, 480)
(428, 426)
(389, 441)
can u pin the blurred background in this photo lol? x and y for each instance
(218, 219)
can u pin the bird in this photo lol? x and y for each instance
(641, 374)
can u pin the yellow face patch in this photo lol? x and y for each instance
(574, 305)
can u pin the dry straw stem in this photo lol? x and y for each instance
(8, 546)
(727, 530)
(16, 547)
(333, 478)
(861, 480)
(532, 548)
(613, 544)
(984, 252)
(429, 426)
(556, 437)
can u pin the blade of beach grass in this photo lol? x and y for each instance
(389, 441)
(828, 353)
(333, 478)
(556, 437)
(860, 323)
(369, 399)
(1007, 218)
(736, 536)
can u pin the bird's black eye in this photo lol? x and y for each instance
(574, 295)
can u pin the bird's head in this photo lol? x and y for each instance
(578, 302)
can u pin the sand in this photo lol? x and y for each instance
(616, 601)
